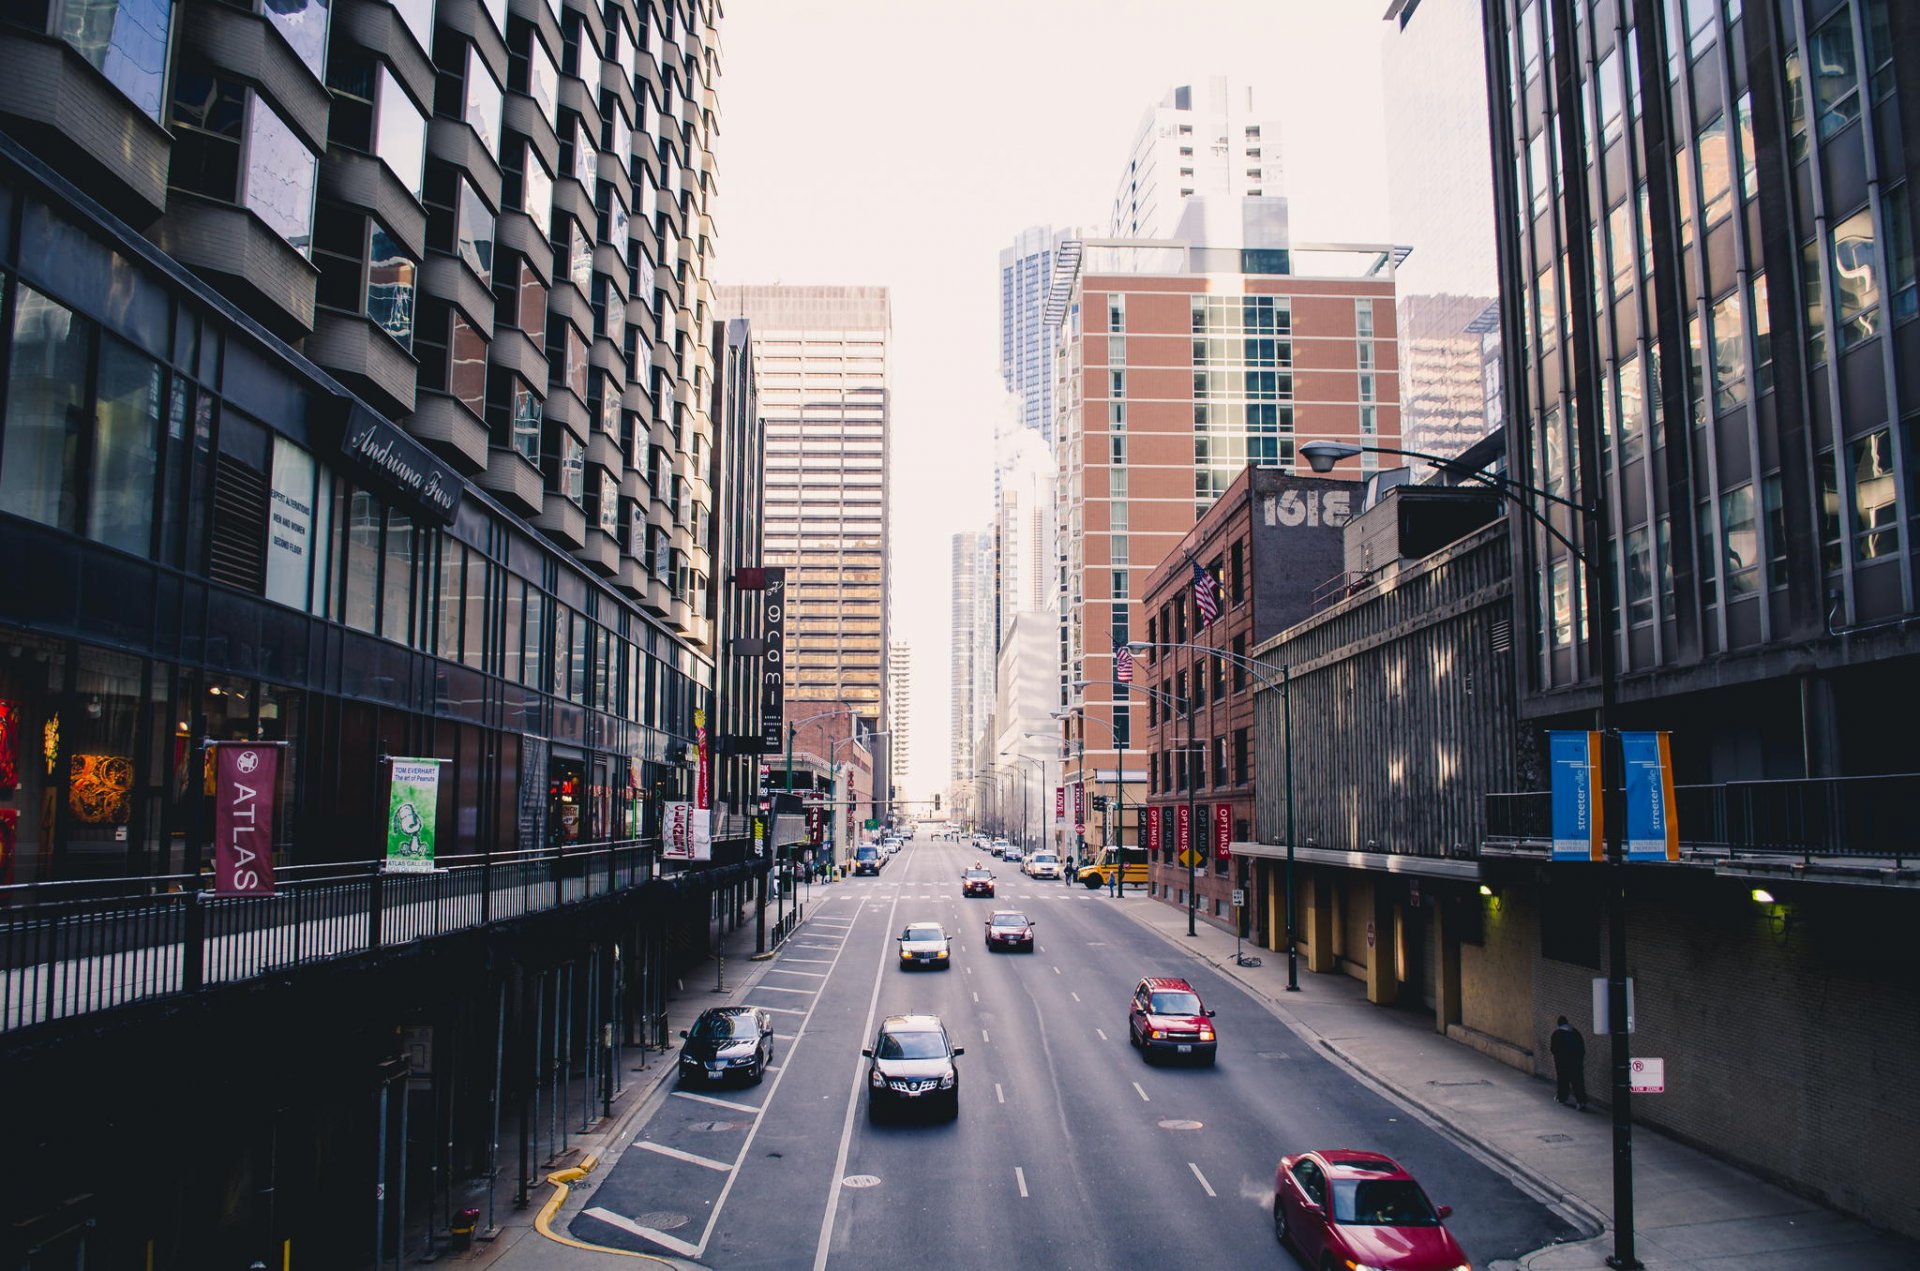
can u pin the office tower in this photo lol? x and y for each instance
(370, 343)
(820, 360)
(1024, 526)
(965, 615)
(1206, 143)
(900, 717)
(739, 467)
(1440, 204)
(1026, 353)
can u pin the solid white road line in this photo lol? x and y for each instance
(1143, 1094)
(718, 1103)
(660, 1238)
(1020, 1177)
(1202, 1177)
(810, 961)
(720, 1167)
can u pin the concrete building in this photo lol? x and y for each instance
(1208, 143)
(900, 718)
(739, 465)
(963, 707)
(821, 367)
(1026, 352)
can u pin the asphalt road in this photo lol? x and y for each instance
(1069, 1151)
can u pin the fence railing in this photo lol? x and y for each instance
(70, 949)
(1814, 818)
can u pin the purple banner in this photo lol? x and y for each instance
(243, 788)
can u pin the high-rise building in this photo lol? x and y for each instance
(361, 352)
(739, 466)
(1026, 352)
(961, 710)
(900, 717)
(1440, 204)
(820, 361)
(1024, 527)
(1209, 144)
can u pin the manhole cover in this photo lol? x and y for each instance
(714, 1125)
(1179, 1125)
(860, 1180)
(660, 1220)
(1556, 1138)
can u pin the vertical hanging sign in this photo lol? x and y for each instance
(413, 805)
(1222, 831)
(1183, 830)
(243, 799)
(1059, 803)
(1647, 771)
(1578, 830)
(1153, 828)
(702, 789)
(1079, 804)
(773, 675)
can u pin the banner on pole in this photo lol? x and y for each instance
(1059, 803)
(244, 783)
(702, 792)
(686, 833)
(1153, 828)
(1578, 832)
(773, 674)
(1222, 831)
(1183, 829)
(413, 804)
(1080, 801)
(1647, 770)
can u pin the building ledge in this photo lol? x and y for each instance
(512, 480)
(451, 430)
(1465, 867)
(247, 262)
(363, 356)
(78, 120)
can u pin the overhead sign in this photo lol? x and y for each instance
(399, 465)
(1647, 1076)
(1647, 771)
(773, 675)
(1578, 830)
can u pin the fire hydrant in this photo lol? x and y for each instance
(462, 1230)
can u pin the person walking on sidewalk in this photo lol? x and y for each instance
(1569, 1064)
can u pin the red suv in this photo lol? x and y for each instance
(1346, 1208)
(1167, 1018)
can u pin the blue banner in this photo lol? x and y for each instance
(1652, 834)
(1574, 759)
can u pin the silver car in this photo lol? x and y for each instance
(925, 944)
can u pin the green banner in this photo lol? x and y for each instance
(413, 802)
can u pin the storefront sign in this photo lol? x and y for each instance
(1647, 763)
(290, 525)
(1578, 834)
(702, 792)
(243, 794)
(773, 697)
(1222, 831)
(686, 833)
(400, 465)
(413, 804)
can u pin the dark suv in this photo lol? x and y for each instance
(868, 859)
(1167, 1017)
(910, 1064)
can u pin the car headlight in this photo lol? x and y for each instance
(946, 1082)
(875, 1080)
(1206, 1034)
(939, 953)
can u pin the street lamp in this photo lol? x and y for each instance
(779, 854)
(1186, 708)
(1284, 684)
(1322, 455)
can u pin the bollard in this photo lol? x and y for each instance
(720, 978)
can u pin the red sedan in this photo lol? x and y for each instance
(976, 882)
(1360, 1209)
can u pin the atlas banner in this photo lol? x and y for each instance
(1578, 830)
(1183, 829)
(243, 794)
(1153, 828)
(702, 791)
(1647, 770)
(686, 833)
(413, 805)
(773, 674)
(1079, 803)
(1222, 831)
(1059, 803)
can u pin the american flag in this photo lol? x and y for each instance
(1123, 664)
(1206, 594)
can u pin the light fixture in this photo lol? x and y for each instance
(93, 707)
(1761, 896)
(1322, 455)
(1485, 890)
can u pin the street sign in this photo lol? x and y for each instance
(1239, 897)
(1190, 857)
(1648, 1076)
(1079, 827)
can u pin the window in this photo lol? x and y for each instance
(1699, 15)
(467, 91)
(459, 223)
(360, 561)
(1830, 532)
(1620, 244)
(126, 41)
(396, 578)
(1363, 319)
(1729, 353)
(212, 118)
(1639, 577)
(1836, 77)
(529, 186)
(364, 270)
(1875, 497)
(1762, 323)
(1774, 504)
(1813, 286)
(1608, 77)
(1740, 541)
(1632, 408)
(1900, 254)
(531, 70)
(453, 356)
(1562, 584)
(1855, 285)
(522, 297)
(1716, 187)
(1749, 170)
(371, 113)
(1529, 43)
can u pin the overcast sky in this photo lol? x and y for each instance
(903, 143)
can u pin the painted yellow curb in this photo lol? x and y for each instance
(543, 1223)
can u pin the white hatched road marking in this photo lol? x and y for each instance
(778, 1010)
(775, 988)
(718, 1103)
(720, 1167)
(1143, 1094)
(660, 1238)
(1102, 1032)
(811, 975)
(998, 1093)
(1020, 1177)
(1202, 1177)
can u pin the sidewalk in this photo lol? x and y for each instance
(1691, 1211)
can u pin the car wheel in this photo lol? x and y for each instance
(759, 1071)
(1280, 1232)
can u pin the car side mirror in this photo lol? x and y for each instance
(868, 1053)
(1209, 1014)
(683, 1032)
(959, 1051)
(1445, 1211)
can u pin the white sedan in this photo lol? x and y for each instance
(1042, 865)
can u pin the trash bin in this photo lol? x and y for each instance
(462, 1230)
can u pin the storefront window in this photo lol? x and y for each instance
(361, 529)
(46, 396)
(126, 449)
(396, 586)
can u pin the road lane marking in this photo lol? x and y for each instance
(775, 988)
(811, 961)
(998, 1093)
(1039, 948)
(1056, 970)
(811, 975)
(718, 1103)
(777, 1010)
(1202, 1177)
(1102, 1032)
(1020, 1177)
(1073, 995)
(976, 997)
(983, 1037)
(1143, 1094)
(720, 1167)
(660, 1238)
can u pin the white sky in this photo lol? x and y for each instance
(903, 143)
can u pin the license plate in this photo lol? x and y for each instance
(1183, 1050)
(716, 1074)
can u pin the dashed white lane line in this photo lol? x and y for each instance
(976, 997)
(1202, 1177)
(660, 1238)
(720, 1167)
(998, 1093)
(1102, 1032)
(983, 1036)
(1143, 1094)
(1020, 1177)
(1056, 970)
(1075, 996)
(718, 1103)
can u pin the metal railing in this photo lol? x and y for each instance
(72, 948)
(1822, 817)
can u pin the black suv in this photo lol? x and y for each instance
(727, 1042)
(910, 1064)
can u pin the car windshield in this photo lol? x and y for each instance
(1176, 1004)
(712, 1027)
(1009, 920)
(923, 933)
(1044, 858)
(1381, 1202)
(978, 873)
(912, 1046)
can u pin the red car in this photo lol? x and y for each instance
(1166, 1017)
(1360, 1209)
(976, 882)
(1009, 929)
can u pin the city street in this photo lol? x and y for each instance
(1069, 1149)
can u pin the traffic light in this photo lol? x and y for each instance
(1099, 803)
(936, 803)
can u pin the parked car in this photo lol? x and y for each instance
(925, 944)
(726, 1041)
(1042, 865)
(1000, 847)
(911, 1064)
(1167, 1018)
(977, 881)
(1009, 929)
(1346, 1208)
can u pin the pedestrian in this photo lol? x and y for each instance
(1569, 1051)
